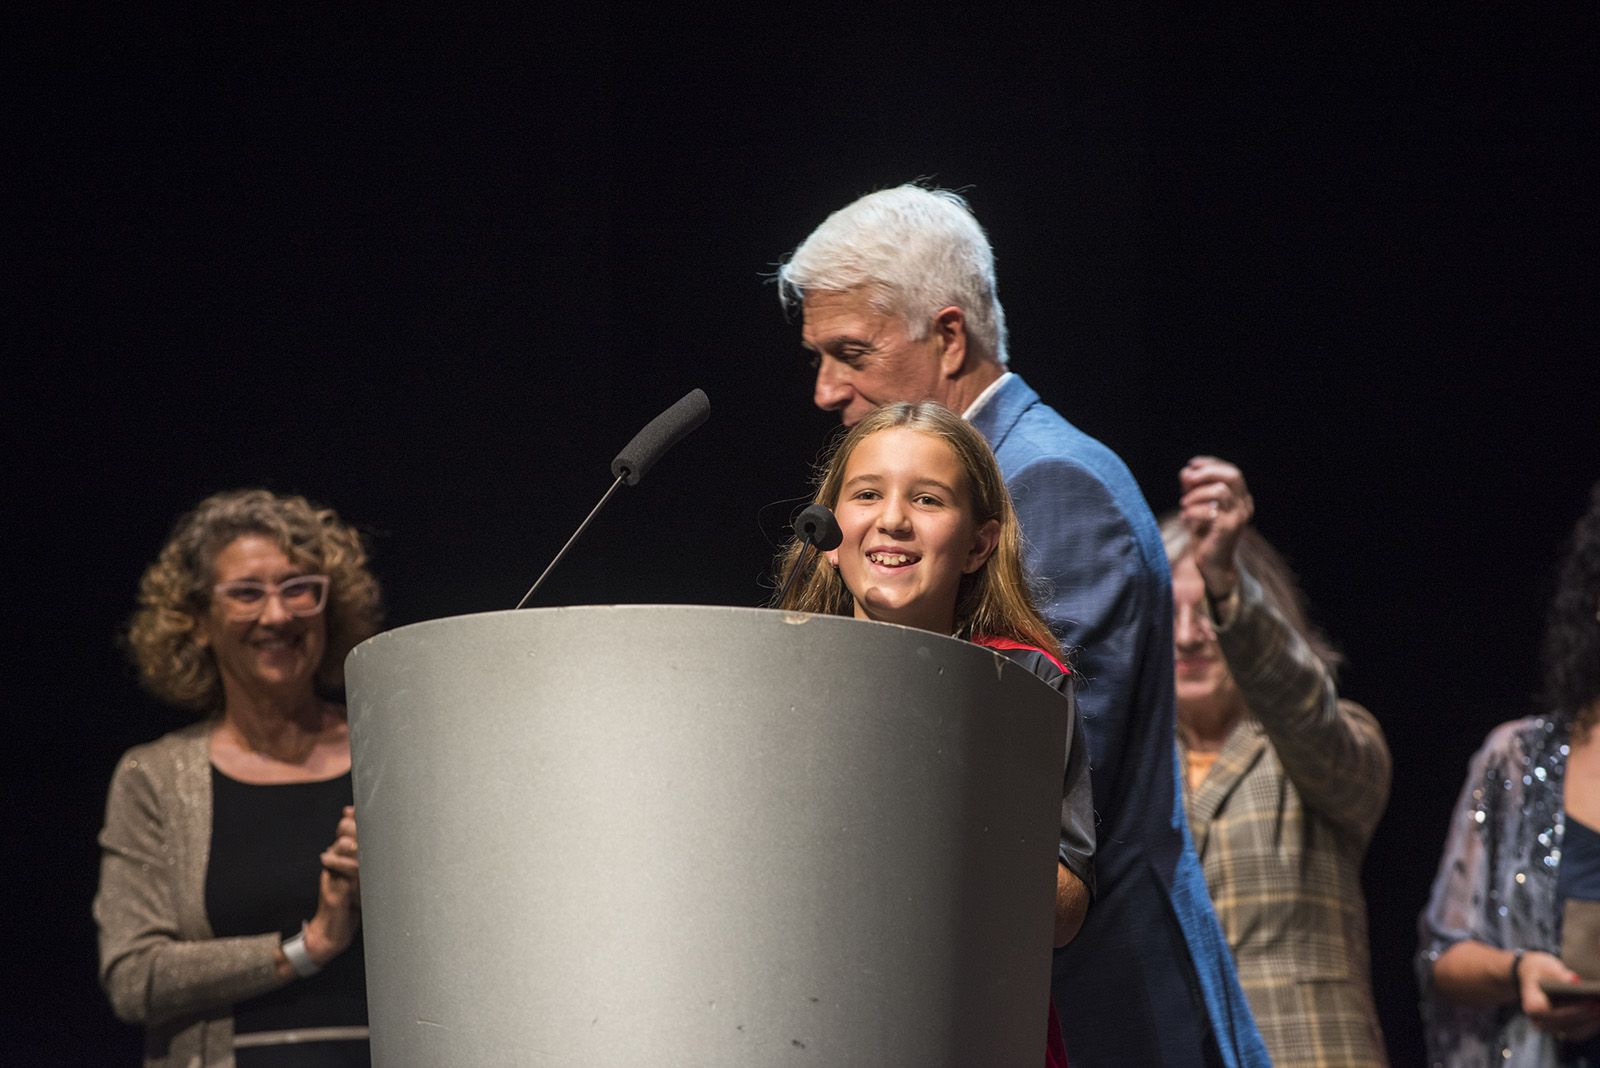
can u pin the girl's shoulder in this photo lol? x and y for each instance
(1021, 649)
(1030, 657)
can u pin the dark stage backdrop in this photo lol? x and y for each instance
(436, 271)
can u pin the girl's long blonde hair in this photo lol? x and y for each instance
(993, 601)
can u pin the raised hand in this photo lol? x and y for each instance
(1216, 506)
(331, 930)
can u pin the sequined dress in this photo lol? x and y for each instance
(1496, 884)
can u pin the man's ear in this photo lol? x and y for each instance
(950, 327)
(983, 546)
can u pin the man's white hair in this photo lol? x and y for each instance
(912, 251)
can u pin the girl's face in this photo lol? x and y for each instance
(909, 533)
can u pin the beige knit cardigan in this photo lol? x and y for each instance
(159, 962)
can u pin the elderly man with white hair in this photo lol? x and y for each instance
(898, 296)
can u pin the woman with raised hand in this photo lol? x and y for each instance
(1284, 781)
(229, 897)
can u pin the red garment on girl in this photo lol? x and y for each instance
(1055, 1051)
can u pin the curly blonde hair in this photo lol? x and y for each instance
(176, 590)
(995, 600)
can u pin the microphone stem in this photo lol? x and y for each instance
(575, 535)
(799, 565)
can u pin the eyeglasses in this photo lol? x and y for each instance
(246, 599)
(1196, 616)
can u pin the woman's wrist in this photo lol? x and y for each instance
(297, 950)
(1220, 582)
(1221, 596)
(320, 947)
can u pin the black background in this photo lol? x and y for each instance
(435, 270)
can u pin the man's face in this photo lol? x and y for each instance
(866, 358)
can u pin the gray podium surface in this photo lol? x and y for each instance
(674, 835)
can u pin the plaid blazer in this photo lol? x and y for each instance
(1281, 823)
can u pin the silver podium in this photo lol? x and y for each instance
(668, 835)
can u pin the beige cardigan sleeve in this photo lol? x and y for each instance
(158, 961)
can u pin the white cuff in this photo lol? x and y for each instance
(294, 948)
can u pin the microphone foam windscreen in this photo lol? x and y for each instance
(661, 434)
(817, 525)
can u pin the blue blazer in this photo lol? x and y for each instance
(1150, 966)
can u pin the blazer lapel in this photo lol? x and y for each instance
(1239, 754)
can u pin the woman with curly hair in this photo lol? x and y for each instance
(1524, 841)
(228, 922)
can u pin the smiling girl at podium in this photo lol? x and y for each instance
(931, 541)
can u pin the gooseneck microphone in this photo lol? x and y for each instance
(659, 435)
(636, 458)
(817, 529)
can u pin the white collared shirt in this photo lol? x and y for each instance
(983, 398)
